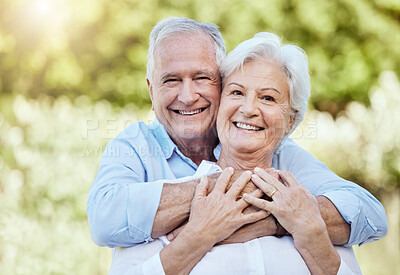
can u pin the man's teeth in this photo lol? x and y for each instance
(190, 112)
(247, 127)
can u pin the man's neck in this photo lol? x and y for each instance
(198, 149)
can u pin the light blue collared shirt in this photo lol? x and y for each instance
(124, 197)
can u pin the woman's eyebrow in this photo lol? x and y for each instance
(237, 84)
(263, 89)
(270, 88)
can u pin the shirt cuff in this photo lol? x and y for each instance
(144, 199)
(153, 266)
(349, 206)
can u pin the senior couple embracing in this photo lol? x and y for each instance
(214, 185)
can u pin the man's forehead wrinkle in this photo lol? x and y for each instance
(189, 38)
(185, 55)
(178, 74)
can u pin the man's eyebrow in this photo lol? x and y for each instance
(206, 72)
(168, 75)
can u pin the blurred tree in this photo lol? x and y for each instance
(99, 48)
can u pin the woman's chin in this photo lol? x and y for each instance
(249, 146)
(245, 148)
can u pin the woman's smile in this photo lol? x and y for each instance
(254, 110)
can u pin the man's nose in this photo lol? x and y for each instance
(188, 93)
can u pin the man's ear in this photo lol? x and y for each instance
(291, 121)
(150, 87)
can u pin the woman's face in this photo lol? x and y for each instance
(254, 111)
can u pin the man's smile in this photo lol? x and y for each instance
(188, 113)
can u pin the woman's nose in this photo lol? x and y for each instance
(249, 106)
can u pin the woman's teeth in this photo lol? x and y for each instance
(247, 127)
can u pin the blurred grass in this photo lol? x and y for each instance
(50, 149)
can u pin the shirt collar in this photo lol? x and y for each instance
(168, 146)
(217, 151)
(165, 141)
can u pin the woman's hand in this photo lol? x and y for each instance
(295, 208)
(213, 217)
(216, 216)
(297, 211)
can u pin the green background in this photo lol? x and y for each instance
(72, 76)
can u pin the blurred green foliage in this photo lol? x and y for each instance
(72, 76)
(362, 144)
(99, 48)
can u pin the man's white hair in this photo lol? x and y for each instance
(178, 25)
(292, 59)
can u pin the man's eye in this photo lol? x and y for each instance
(236, 92)
(268, 98)
(203, 78)
(171, 80)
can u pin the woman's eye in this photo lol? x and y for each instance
(237, 92)
(268, 98)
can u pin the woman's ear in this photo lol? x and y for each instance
(292, 118)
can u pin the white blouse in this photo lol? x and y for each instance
(266, 255)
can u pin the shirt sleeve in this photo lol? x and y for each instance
(121, 204)
(357, 206)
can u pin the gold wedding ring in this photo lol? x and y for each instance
(273, 192)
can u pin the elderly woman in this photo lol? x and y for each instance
(264, 98)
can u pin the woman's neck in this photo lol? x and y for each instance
(244, 161)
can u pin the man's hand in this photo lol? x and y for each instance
(174, 207)
(175, 202)
(265, 227)
(173, 234)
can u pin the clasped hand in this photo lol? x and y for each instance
(216, 216)
(294, 206)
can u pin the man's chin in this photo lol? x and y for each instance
(190, 134)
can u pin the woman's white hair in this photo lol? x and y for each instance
(292, 59)
(179, 25)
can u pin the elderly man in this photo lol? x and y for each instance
(134, 198)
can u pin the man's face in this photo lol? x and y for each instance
(186, 84)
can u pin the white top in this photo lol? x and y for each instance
(266, 255)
